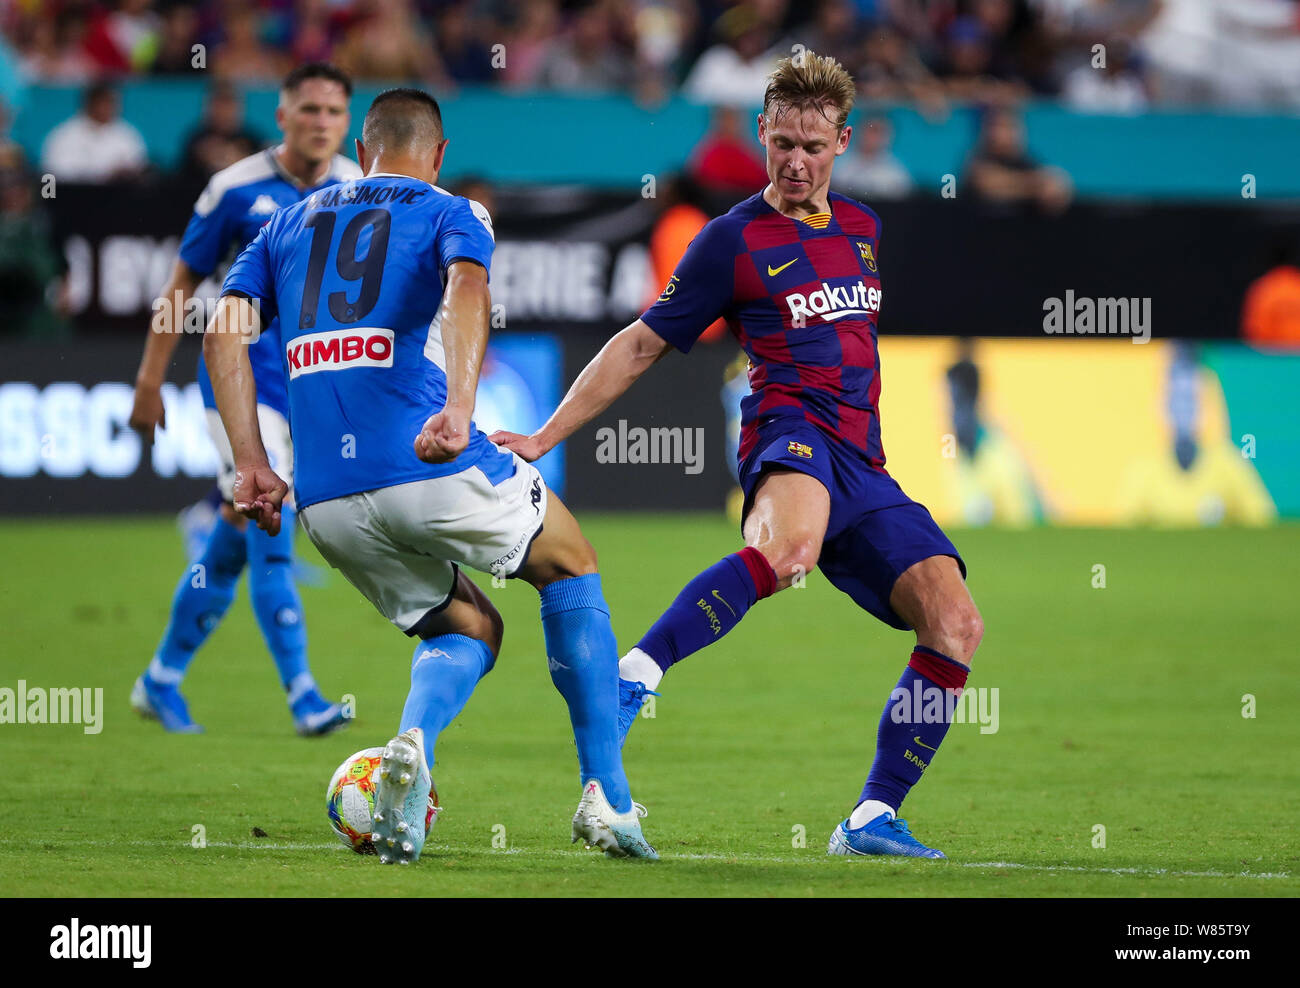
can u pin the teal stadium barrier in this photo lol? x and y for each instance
(611, 142)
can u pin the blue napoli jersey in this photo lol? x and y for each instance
(234, 206)
(355, 275)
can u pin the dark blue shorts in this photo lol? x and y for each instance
(875, 531)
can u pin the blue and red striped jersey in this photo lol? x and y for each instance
(802, 297)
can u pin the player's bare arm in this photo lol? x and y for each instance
(464, 314)
(259, 491)
(147, 412)
(627, 356)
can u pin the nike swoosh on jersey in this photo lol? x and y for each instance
(918, 740)
(773, 272)
(728, 606)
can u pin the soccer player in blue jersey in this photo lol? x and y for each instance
(381, 289)
(313, 114)
(794, 272)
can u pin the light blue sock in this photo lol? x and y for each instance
(444, 671)
(202, 597)
(278, 606)
(583, 659)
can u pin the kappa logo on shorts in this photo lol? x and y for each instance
(339, 349)
(537, 495)
(800, 449)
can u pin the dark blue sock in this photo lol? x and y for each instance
(444, 671)
(278, 606)
(914, 724)
(202, 597)
(709, 606)
(583, 659)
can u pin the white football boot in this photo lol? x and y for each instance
(617, 834)
(401, 799)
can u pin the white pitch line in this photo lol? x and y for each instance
(746, 858)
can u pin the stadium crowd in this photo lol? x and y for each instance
(926, 52)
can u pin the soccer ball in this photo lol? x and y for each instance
(350, 800)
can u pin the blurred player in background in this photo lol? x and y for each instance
(992, 480)
(381, 288)
(238, 201)
(794, 271)
(1200, 478)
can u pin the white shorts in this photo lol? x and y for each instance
(275, 437)
(400, 545)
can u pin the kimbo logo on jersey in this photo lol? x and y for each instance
(339, 349)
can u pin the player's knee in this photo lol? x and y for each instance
(578, 559)
(793, 560)
(487, 626)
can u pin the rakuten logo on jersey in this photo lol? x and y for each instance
(339, 349)
(833, 303)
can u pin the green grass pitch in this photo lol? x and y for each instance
(1120, 707)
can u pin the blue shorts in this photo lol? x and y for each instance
(875, 531)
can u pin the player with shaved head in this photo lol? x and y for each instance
(794, 271)
(381, 289)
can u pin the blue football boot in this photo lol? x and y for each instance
(883, 835)
(630, 698)
(164, 704)
(313, 715)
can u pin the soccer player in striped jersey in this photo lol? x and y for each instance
(238, 201)
(794, 271)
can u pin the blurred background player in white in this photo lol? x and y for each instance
(237, 202)
(381, 289)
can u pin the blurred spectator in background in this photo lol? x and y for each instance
(586, 56)
(969, 71)
(1114, 87)
(1233, 52)
(178, 34)
(389, 42)
(893, 72)
(535, 23)
(868, 169)
(1000, 170)
(54, 50)
(465, 50)
(1073, 28)
(32, 271)
(96, 145)
(682, 216)
(314, 30)
(1270, 312)
(726, 162)
(734, 71)
(133, 32)
(221, 138)
(478, 189)
(661, 29)
(242, 55)
(832, 31)
(11, 153)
